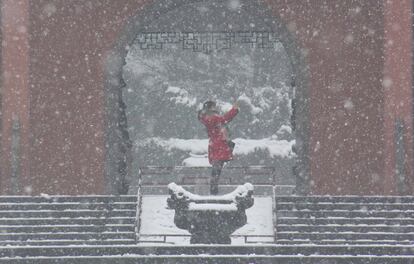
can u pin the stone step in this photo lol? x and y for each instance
(67, 221)
(344, 221)
(66, 242)
(397, 229)
(66, 236)
(65, 228)
(345, 199)
(182, 259)
(207, 250)
(346, 206)
(68, 199)
(343, 242)
(66, 213)
(346, 214)
(315, 235)
(66, 206)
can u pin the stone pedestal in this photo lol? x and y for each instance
(210, 219)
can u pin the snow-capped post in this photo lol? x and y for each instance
(210, 219)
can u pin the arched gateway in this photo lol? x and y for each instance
(174, 56)
(64, 113)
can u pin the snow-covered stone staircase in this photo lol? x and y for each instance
(345, 220)
(101, 229)
(67, 220)
(281, 254)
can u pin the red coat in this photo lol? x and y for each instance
(218, 149)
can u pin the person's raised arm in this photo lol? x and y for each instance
(217, 119)
(227, 117)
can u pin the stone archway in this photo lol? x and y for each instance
(118, 141)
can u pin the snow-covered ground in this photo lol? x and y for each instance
(276, 147)
(197, 148)
(157, 219)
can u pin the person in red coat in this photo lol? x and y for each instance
(220, 147)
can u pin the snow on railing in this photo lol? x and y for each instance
(266, 238)
(274, 205)
(138, 210)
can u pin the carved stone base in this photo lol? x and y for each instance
(210, 219)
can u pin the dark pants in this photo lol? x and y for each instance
(215, 176)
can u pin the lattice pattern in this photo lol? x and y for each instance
(207, 41)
